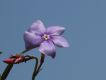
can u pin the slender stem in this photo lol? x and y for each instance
(41, 63)
(39, 67)
(35, 69)
(0, 52)
(25, 51)
(6, 71)
(0, 76)
(9, 67)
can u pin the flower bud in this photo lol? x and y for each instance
(14, 59)
(9, 61)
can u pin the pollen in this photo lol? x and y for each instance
(46, 37)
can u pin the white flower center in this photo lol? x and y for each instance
(46, 37)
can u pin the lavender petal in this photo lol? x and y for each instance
(32, 40)
(48, 48)
(60, 41)
(55, 30)
(37, 27)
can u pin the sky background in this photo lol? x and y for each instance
(85, 23)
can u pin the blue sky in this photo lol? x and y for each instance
(85, 23)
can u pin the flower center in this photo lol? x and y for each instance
(46, 37)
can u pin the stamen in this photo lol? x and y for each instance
(46, 37)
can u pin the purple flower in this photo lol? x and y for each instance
(46, 39)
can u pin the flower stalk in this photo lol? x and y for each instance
(6, 71)
(38, 68)
(0, 52)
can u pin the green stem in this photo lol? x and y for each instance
(36, 71)
(0, 76)
(0, 52)
(6, 71)
(25, 51)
